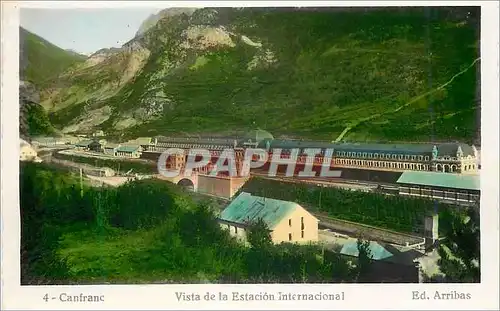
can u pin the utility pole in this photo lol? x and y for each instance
(320, 192)
(81, 182)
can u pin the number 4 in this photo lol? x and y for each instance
(46, 297)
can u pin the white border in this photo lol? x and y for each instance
(156, 297)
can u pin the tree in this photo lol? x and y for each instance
(364, 259)
(460, 248)
(259, 235)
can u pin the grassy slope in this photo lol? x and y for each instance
(43, 60)
(140, 232)
(334, 70)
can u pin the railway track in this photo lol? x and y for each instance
(329, 182)
(263, 173)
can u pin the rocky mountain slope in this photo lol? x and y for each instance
(396, 74)
(39, 61)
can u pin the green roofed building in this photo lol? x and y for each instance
(110, 149)
(257, 137)
(287, 221)
(458, 188)
(88, 145)
(377, 251)
(129, 151)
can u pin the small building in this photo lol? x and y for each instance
(389, 264)
(377, 251)
(99, 172)
(288, 221)
(110, 149)
(99, 133)
(88, 145)
(141, 141)
(456, 188)
(83, 145)
(27, 152)
(129, 151)
(221, 186)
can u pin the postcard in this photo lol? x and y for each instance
(259, 156)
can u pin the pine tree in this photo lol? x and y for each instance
(364, 259)
(259, 235)
(460, 248)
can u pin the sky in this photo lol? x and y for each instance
(85, 30)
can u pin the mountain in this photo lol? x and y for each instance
(79, 56)
(356, 74)
(154, 18)
(41, 60)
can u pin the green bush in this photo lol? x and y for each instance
(389, 212)
(144, 231)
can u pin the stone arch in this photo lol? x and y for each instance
(453, 168)
(186, 183)
(446, 168)
(439, 168)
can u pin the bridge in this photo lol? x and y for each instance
(189, 182)
(220, 186)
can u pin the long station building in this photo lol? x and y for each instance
(357, 161)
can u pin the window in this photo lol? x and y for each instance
(364, 154)
(289, 237)
(290, 222)
(400, 157)
(394, 157)
(302, 223)
(235, 229)
(413, 158)
(302, 234)
(407, 157)
(359, 154)
(426, 158)
(370, 155)
(420, 158)
(376, 155)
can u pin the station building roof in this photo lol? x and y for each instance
(196, 140)
(247, 208)
(443, 149)
(442, 180)
(265, 139)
